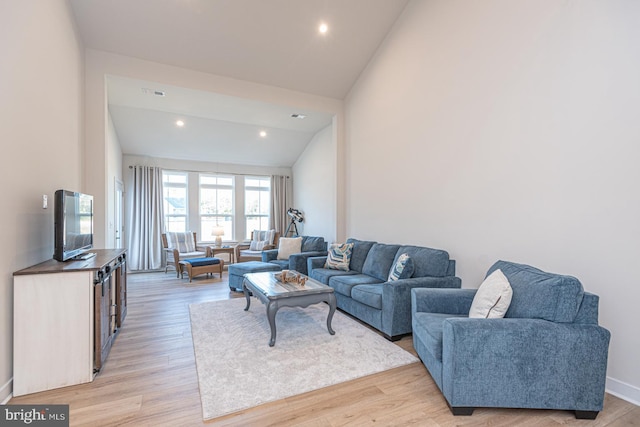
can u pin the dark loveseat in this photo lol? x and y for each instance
(365, 292)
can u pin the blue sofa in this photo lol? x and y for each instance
(311, 246)
(548, 351)
(365, 293)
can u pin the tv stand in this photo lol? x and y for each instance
(66, 316)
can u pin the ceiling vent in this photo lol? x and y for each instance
(148, 91)
(298, 116)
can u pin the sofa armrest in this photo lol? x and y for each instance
(315, 262)
(269, 255)
(298, 262)
(396, 301)
(446, 301)
(522, 358)
(240, 247)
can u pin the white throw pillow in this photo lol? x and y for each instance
(493, 297)
(289, 246)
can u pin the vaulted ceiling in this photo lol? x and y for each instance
(272, 42)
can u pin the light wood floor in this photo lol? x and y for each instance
(150, 379)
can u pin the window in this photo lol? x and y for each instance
(175, 201)
(257, 191)
(216, 205)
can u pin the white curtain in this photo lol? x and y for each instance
(144, 238)
(281, 201)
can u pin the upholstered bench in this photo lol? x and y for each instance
(196, 266)
(237, 272)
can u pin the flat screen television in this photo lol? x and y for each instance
(73, 225)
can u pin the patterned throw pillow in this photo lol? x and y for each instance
(339, 256)
(402, 269)
(258, 245)
(183, 242)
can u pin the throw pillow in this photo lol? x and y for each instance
(493, 297)
(402, 269)
(339, 256)
(289, 246)
(182, 241)
(258, 246)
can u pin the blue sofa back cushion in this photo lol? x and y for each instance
(427, 262)
(541, 295)
(379, 261)
(313, 244)
(359, 253)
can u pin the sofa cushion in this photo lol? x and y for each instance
(324, 274)
(370, 295)
(313, 244)
(428, 262)
(428, 328)
(402, 269)
(379, 260)
(288, 246)
(359, 253)
(493, 297)
(339, 256)
(541, 295)
(344, 283)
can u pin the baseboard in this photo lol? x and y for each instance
(6, 392)
(624, 391)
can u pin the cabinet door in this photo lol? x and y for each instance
(103, 329)
(121, 294)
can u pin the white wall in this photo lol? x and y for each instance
(314, 186)
(509, 130)
(41, 82)
(114, 173)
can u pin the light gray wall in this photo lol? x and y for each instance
(314, 186)
(509, 130)
(114, 173)
(41, 82)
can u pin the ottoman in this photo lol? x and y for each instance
(237, 272)
(195, 266)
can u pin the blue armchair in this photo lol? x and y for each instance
(548, 351)
(311, 247)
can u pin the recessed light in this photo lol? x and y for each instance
(323, 28)
(263, 134)
(179, 123)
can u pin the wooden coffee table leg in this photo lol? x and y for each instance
(246, 295)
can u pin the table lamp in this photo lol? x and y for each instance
(218, 231)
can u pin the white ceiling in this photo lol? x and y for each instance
(272, 42)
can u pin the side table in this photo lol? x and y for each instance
(213, 250)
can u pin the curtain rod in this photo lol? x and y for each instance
(194, 171)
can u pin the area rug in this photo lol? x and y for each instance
(238, 370)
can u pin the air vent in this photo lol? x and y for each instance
(298, 116)
(148, 91)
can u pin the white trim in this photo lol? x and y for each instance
(6, 391)
(624, 391)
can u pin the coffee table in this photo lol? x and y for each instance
(275, 294)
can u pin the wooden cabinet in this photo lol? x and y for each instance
(66, 317)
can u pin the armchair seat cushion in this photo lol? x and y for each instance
(344, 284)
(428, 328)
(195, 254)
